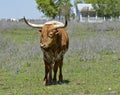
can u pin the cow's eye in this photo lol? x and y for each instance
(51, 35)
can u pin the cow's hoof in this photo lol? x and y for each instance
(45, 82)
(54, 82)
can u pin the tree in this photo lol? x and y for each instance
(52, 8)
(64, 8)
(106, 8)
(77, 1)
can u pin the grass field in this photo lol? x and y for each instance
(91, 65)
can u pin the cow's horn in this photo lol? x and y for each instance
(62, 25)
(33, 25)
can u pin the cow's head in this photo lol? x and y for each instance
(48, 32)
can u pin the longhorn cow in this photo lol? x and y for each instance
(54, 43)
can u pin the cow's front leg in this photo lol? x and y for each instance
(46, 74)
(48, 71)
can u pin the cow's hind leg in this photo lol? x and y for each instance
(60, 71)
(50, 74)
(55, 72)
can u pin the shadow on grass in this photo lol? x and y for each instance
(64, 82)
(59, 83)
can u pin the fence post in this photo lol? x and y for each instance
(104, 19)
(80, 17)
(88, 18)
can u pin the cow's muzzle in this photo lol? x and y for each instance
(43, 45)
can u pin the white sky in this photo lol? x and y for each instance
(19, 8)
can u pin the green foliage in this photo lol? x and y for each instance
(47, 7)
(52, 8)
(77, 1)
(106, 8)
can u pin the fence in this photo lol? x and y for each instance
(97, 19)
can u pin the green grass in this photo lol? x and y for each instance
(99, 77)
(94, 76)
(21, 35)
